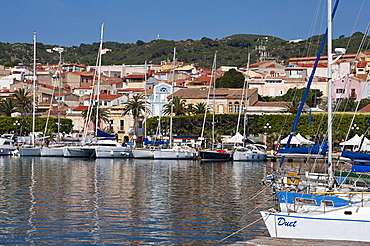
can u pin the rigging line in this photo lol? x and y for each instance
(207, 107)
(354, 25)
(242, 229)
(242, 98)
(311, 32)
(90, 108)
(254, 209)
(309, 84)
(353, 66)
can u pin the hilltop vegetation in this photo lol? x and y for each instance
(231, 51)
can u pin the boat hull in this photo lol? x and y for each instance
(7, 150)
(174, 154)
(78, 151)
(56, 152)
(34, 151)
(143, 153)
(349, 223)
(214, 156)
(115, 152)
(248, 156)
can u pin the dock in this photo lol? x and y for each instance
(270, 241)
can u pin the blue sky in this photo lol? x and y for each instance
(67, 22)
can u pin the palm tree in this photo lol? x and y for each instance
(101, 113)
(179, 107)
(24, 100)
(135, 106)
(200, 108)
(8, 106)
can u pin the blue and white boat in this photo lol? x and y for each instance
(322, 214)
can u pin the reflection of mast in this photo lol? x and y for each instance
(33, 203)
(96, 228)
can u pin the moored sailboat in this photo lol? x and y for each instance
(32, 150)
(311, 218)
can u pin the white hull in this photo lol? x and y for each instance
(250, 153)
(351, 223)
(78, 151)
(33, 151)
(247, 156)
(115, 152)
(143, 153)
(174, 154)
(52, 151)
(7, 150)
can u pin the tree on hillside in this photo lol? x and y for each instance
(231, 79)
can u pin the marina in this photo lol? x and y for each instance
(129, 201)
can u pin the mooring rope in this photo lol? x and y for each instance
(252, 223)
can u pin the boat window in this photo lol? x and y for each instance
(328, 203)
(305, 201)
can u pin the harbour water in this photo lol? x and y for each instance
(66, 201)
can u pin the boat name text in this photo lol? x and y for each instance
(283, 222)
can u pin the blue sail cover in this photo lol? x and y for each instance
(146, 142)
(320, 149)
(361, 168)
(101, 134)
(356, 156)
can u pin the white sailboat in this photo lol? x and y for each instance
(330, 219)
(32, 150)
(247, 152)
(6, 146)
(144, 153)
(180, 151)
(86, 149)
(213, 154)
(56, 150)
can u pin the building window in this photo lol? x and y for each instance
(230, 107)
(340, 91)
(243, 107)
(121, 125)
(221, 108)
(236, 107)
(163, 90)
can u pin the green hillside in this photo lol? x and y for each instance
(231, 51)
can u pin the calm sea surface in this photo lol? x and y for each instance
(67, 201)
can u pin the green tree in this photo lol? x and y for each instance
(8, 106)
(179, 107)
(231, 79)
(90, 115)
(24, 100)
(199, 108)
(136, 106)
(295, 96)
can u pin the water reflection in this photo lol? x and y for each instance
(127, 201)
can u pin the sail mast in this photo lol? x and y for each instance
(330, 117)
(214, 100)
(173, 91)
(99, 79)
(34, 90)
